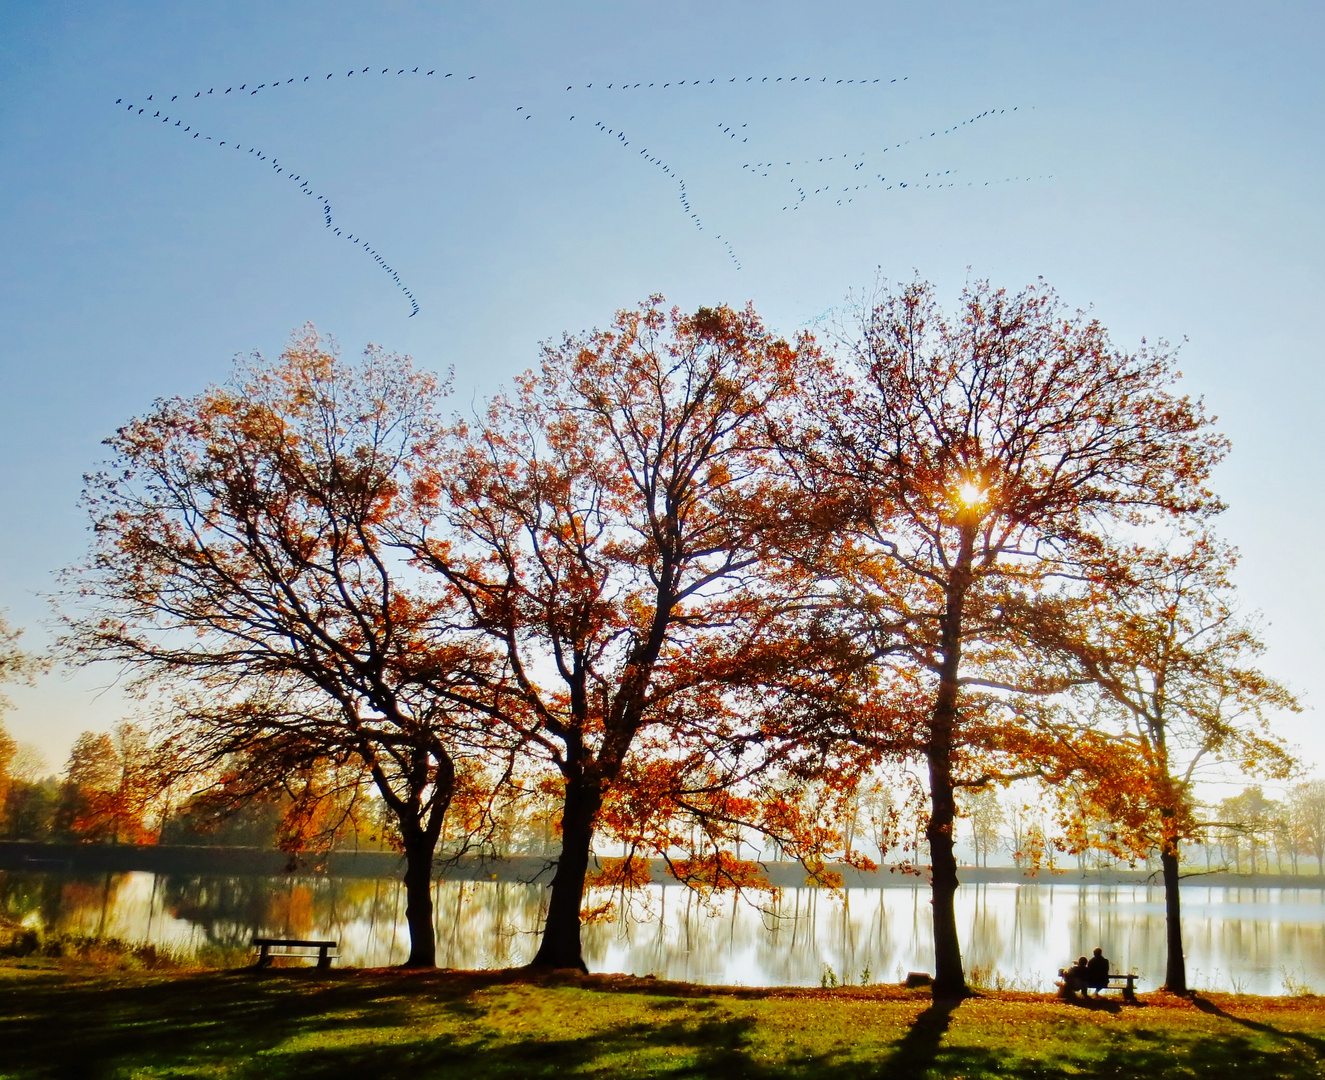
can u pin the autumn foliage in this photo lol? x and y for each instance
(244, 565)
(687, 591)
(1165, 684)
(977, 463)
(609, 530)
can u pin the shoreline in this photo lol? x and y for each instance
(37, 857)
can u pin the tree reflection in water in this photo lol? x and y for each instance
(1237, 937)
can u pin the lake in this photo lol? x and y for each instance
(1252, 940)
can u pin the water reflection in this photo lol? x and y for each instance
(1254, 940)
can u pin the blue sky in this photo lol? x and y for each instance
(1162, 166)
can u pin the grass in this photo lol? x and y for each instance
(59, 1019)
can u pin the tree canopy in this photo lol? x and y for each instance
(608, 528)
(977, 462)
(693, 582)
(1165, 682)
(243, 560)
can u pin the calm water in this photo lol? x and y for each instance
(1263, 941)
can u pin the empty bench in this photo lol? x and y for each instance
(266, 944)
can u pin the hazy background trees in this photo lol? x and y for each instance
(984, 812)
(26, 806)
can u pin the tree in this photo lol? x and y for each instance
(15, 666)
(608, 530)
(1307, 801)
(28, 765)
(1284, 837)
(242, 563)
(1019, 822)
(8, 750)
(31, 809)
(27, 811)
(269, 800)
(112, 783)
(1169, 668)
(1249, 816)
(206, 819)
(976, 463)
(884, 817)
(982, 807)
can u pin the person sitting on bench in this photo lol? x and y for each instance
(1097, 972)
(1074, 978)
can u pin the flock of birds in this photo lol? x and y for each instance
(682, 194)
(847, 194)
(733, 132)
(805, 80)
(272, 162)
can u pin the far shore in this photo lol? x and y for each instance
(22, 855)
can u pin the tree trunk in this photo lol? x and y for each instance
(1175, 968)
(418, 900)
(560, 947)
(949, 979)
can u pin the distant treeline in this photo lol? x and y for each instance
(111, 792)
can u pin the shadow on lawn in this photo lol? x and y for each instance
(1103, 1004)
(1134, 1051)
(1309, 1041)
(98, 1028)
(919, 1048)
(95, 1030)
(54, 1028)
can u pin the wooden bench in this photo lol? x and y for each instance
(266, 944)
(1125, 983)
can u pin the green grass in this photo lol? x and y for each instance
(58, 1020)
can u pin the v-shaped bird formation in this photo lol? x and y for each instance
(682, 194)
(252, 88)
(847, 193)
(841, 177)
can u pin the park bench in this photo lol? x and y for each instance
(266, 944)
(1125, 983)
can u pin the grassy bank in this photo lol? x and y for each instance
(63, 1020)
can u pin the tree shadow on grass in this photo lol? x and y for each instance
(297, 1024)
(413, 1027)
(1152, 1052)
(88, 1029)
(715, 1044)
(710, 1047)
(1100, 1004)
(1313, 1043)
(1156, 1053)
(918, 1051)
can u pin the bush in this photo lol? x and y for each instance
(88, 949)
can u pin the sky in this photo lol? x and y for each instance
(1159, 165)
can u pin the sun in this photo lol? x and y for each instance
(970, 495)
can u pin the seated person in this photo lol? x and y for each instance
(1097, 972)
(1074, 978)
